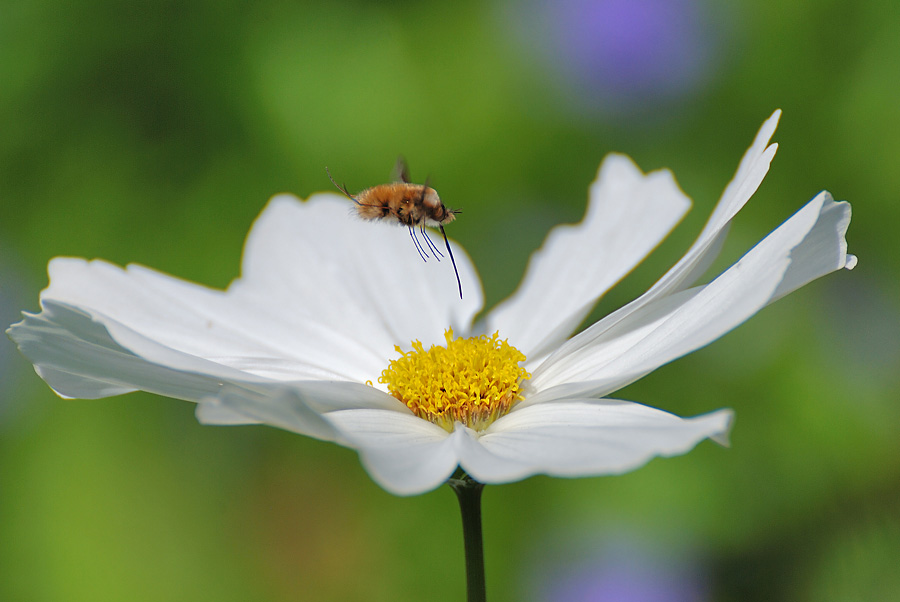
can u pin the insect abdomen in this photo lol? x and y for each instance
(390, 201)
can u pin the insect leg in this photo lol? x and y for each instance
(412, 235)
(418, 242)
(437, 254)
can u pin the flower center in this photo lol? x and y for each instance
(473, 381)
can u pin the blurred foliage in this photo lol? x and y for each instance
(154, 133)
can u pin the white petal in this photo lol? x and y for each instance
(753, 168)
(578, 438)
(76, 355)
(401, 452)
(628, 214)
(246, 404)
(283, 408)
(364, 279)
(824, 250)
(255, 335)
(78, 358)
(633, 342)
(218, 415)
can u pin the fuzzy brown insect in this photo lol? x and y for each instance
(412, 205)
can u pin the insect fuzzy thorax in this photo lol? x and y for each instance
(412, 205)
(409, 204)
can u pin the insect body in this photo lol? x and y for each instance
(409, 204)
(412, 205)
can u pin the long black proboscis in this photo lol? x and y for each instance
(449, 252)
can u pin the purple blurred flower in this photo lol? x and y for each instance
(623, 568)
(625, 55)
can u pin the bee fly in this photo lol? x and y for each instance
(412, 205)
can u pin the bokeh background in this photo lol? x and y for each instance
(155, 132)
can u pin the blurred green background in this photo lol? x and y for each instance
(155, 132)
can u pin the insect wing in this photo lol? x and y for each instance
(400, 173)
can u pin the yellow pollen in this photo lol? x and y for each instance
(473, 381)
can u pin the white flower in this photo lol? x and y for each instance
(324, 298)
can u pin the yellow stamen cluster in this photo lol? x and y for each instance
(473, 381)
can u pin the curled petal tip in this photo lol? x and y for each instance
(723, 437)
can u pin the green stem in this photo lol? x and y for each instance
(468, 492)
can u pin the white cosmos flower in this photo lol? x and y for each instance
(324, 298)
